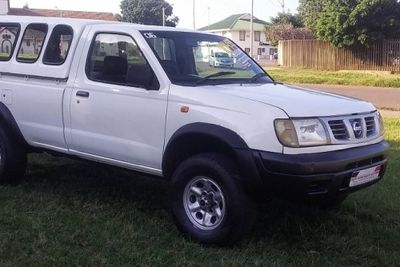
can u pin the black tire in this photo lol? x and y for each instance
(13, 159)
(239, 213)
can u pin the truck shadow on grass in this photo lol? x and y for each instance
(98, 185)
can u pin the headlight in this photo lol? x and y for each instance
(286, 133)
(381, 125)
(301, 133)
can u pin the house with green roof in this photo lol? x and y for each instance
(237, 28)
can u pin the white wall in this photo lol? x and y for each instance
(235, 36)
(4, 6)
(280, 53)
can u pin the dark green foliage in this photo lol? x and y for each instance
(287, 18)
(310, 11)
(286, 26)
(148, 12)
(359, 22)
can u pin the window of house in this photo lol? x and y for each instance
(116, 59)
(242, 35)
(58, 46)
(259, 51)
(273, 51)
(8, 38)
(257, 36)
(247, 50)
(35, 34)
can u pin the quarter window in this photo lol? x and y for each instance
(8, 38)
(34, 35)
(58, 46)
(116, 59)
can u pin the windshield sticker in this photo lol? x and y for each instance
(150, 35)
(240, 56)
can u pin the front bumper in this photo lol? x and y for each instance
(221, 64)
(319, 174)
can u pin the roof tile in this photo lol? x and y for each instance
(230, 22)
(62, 13)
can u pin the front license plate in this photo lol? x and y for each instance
(365, 176)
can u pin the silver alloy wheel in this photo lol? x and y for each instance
(204, 203)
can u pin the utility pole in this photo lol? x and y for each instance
(252, 29)
(208, 18)
(163, 16)
(282, 2)
(194, 14)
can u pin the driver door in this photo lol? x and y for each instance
(117, 104)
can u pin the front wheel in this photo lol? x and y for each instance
(208, 200)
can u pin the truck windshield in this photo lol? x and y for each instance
(191, 59)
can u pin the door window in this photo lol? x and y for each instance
(34, 35)
(116, 59)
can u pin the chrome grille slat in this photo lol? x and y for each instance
(371, 127)
(339, 130)
(352, 128)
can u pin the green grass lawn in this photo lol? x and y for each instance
(335, 78)
(77, 213)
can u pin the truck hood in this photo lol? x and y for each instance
(297, 101)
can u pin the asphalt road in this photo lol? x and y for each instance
(381, 97)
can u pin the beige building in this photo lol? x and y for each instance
(237, 28)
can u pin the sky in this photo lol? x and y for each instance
(206, 10)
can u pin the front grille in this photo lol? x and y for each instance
(353, 128)
(370, 125)
(339, 130)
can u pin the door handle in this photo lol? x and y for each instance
(82, 94)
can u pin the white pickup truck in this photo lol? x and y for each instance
(146, 99)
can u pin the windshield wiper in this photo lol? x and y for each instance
(214, 75)
(256, 77)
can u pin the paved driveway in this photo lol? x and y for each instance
(381, 97)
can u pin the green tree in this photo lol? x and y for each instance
(352, 23)
(310, 11)
(287, 18)
(286, 26)
(148, 12)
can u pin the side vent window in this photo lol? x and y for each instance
(58, 46)
(32, 43)
(8, 39)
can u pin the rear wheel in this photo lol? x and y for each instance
(208, 200)
(13, 159)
